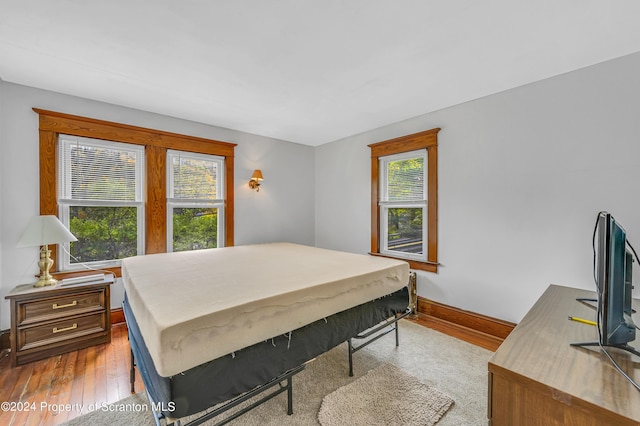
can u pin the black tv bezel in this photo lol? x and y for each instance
(613, 279)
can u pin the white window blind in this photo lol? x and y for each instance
(95, 170)
(194, 176)
(405, 179)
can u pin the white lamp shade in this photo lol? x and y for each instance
(43, 230)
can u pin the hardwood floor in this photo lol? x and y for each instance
(57, 389)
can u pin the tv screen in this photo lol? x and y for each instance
(613, 271)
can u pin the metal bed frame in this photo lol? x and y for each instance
(412, 311)
(242, 398)
(392, 325)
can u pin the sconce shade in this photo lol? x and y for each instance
(257, 175)
(44, 230)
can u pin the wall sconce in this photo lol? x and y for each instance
(254, 183)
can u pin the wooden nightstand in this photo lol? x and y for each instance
(49, 321)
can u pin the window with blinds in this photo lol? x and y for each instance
(403, 204)
(195, 201)
(100, 196)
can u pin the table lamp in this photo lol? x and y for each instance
(42, 231)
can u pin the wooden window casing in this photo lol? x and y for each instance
(156, 143)
(423, 140)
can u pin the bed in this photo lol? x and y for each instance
(210, 326)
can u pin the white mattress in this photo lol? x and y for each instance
(193, 307)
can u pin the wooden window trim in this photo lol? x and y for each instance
(423, 140)
(156, 143)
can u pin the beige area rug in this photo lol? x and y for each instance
(386, 395)
(453, 367)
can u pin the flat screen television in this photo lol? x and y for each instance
(613, 263)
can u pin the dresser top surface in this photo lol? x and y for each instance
(539, 350)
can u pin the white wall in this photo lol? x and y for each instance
(283, 210)
(522, 175)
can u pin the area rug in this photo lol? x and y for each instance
(386, 395)
(449, 365)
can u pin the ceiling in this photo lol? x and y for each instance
(305, 71)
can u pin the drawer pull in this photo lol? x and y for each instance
(60, 330)
(68, 305)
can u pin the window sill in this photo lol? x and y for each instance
(413, 264)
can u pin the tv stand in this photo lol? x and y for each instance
(537, 378)
(623, 347)
(586, 299)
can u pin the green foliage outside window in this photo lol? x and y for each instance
(195, 228)
(103, 233)
(108, 233)
(405, 229)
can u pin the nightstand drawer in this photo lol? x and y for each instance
(59, 331)
(60, 307)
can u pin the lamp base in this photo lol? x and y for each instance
(45, 265)
(43, 281)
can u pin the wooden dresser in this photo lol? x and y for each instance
(537, 378)
(53, 320)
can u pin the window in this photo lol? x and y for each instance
(404, 199)
(119, 147)
(195, 207)
(403, 205)
(100, 197)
